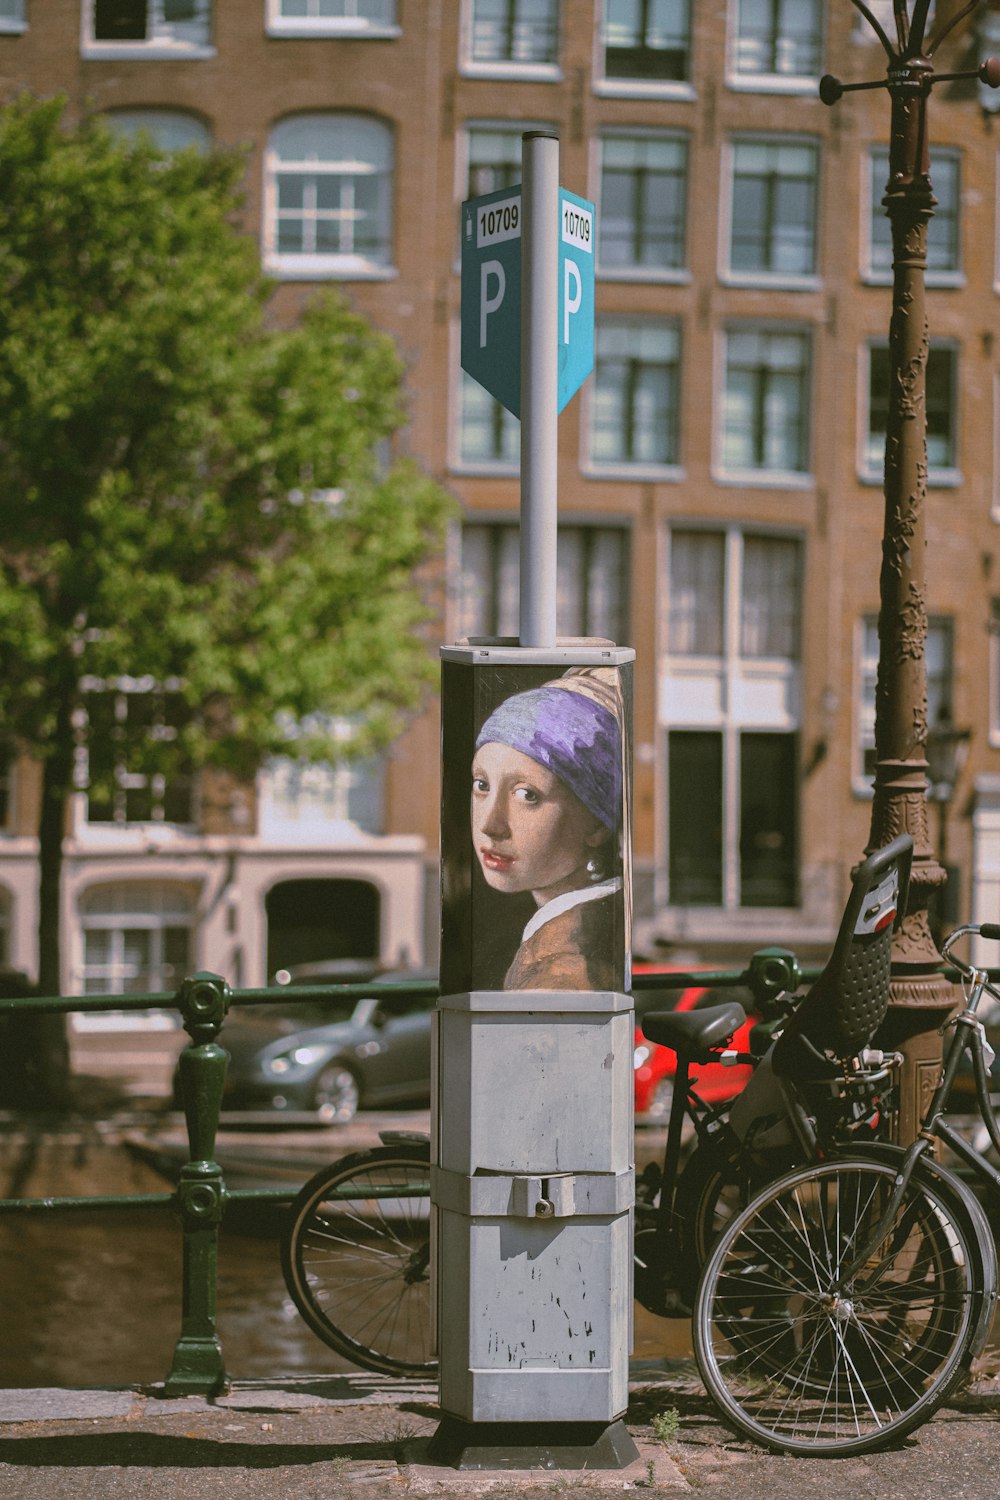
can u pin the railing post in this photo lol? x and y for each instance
(198, 1367)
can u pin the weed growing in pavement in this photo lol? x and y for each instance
(666, 1424)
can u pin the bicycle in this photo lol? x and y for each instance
(845, 1302)
(356, 1254)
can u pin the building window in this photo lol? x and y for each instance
(12, 17)
(941, 407)
(494, 156)
(944, 264)
(160, 26)
(938, 658)
(330, 185)
(775, 42)
(126, 723)
(521, 35)
(489, 436)
(765, 411)
(592, 568)
(168, 129)
(137, 938)
(772, 210)
(730, 685)
(642, 218)
(360, 18)
(647, 42)
(635, 398)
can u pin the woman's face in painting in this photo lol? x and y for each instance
(530, 832)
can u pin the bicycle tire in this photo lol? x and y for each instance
(356, 1258)
(803, 1365)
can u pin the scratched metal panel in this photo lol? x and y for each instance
(546, 1302)
(535, 1092)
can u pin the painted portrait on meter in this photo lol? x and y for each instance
(539, 870)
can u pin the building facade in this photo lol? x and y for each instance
(720, 473)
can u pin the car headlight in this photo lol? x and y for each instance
(295, 1058)
(641, 1055)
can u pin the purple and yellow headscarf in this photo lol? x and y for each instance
(573, 736)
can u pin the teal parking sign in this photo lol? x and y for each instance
(491, 294)
(576, 293)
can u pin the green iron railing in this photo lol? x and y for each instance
(201, 1196)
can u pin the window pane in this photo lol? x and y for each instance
(334, 196)
(635, 406)
(773, 208)
(769, 625)
(647, 40)
(695, 621)
(120, 20)
(642, 217)
(766, 402)
(516, 31)
(779, 37)
(169, 130)
(768, 800)
(591, 588)
(695, 831)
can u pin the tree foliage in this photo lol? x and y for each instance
(187, 490)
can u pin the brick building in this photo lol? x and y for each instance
(720, 474)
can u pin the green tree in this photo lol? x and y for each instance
(187, 490)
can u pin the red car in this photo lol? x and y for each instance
(654, 1066)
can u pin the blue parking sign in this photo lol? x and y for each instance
(491, 294)
(576, 293)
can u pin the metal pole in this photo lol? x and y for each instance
(539, 385)
(920, 995)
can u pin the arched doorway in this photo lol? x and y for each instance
(312, 920)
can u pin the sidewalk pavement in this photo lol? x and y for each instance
(353, 1436)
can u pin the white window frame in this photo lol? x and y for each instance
(638, 88)
(586, 529)
(145, 121)
(15, 25)
(766, 83)
(549, 72)
(873, 185)
(323, 266)
(674, 275)
(940, 476)
(791, 479)
(734, 694)
(161, 49)
(794, 281)
(156, 916)
(623, 468)
(347, 26)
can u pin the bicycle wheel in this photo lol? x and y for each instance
(805, 1359)
(356, 1258)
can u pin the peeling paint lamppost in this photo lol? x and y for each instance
(920, 996)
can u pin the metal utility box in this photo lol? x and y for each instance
(534, 1187)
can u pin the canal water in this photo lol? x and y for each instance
(93, 1298)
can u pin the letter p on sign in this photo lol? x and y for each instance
(488, 304)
